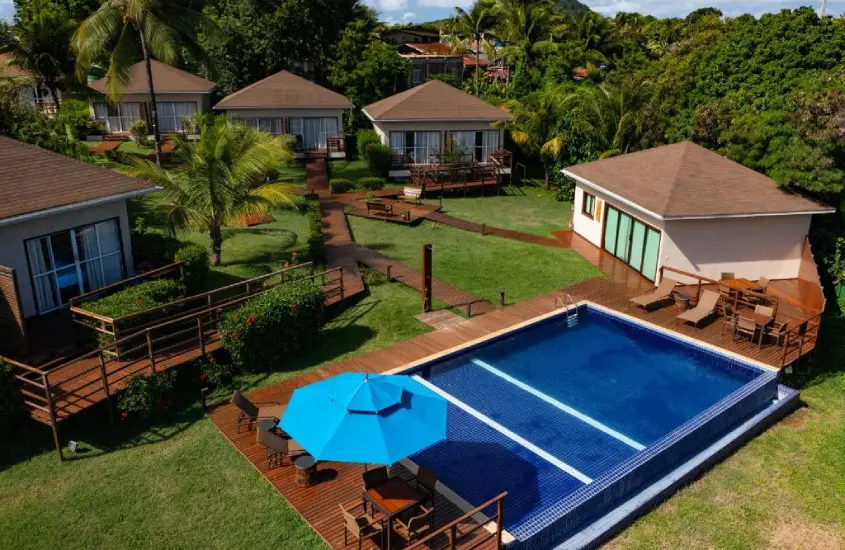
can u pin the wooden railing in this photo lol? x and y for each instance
(58, 392)
(117, 328)
(467, 539)
(740, 298)
(798, 337)
(176, 269)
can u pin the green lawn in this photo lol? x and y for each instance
(348, 169)
(476, 264)
(293, 173)
(529, 209)
(132, 148)
(179, 484)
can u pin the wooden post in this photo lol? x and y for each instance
(453, 537)
(201, 336)
(52, 411)
(698, 292)
(389, 268)
(502, 298)
(426, 277)
(500, 520)
(341, 283)
(247, 287)
(150, 351)
(106, 388)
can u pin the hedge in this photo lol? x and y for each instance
(371, 184)
(196, 263)
(147, 396)
(316, 246)
(340, 185)
(136, 299)
(378, 160)
(284, 319)
(363, 140)
(10, 398)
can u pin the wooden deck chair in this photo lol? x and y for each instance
(653, 297)
(249, 413)
(705, 308)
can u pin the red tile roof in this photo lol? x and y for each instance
(434, 100)
(281, 90)
(166, 79)
(685, 180)
(436, 49)
(34, 179)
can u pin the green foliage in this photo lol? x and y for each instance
(10, 398)
(196, 261)
(378, 160)
(147, 396)
(152, 247)
(25, 124)
(273, 324)
(76, 117)
(138, 129)
(835, 262)
(363, 140)
(371, 184)
(444, 77)
(316, 246)
(136, 299)
(565, 190)
(340, 185)
(372, 277)
(217, 373)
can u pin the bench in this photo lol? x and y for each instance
(380, 208)
(412, 194)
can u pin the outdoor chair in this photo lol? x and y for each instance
(763, 283)
(745, 327)
(766, 311)
(425, 481)
(363, 527)
(727, 276)
(653, 297)
(415, 523)
(705, 308)
(725, 308)
(374, 478)
(279, 448)
(250, 413)
(777, 330)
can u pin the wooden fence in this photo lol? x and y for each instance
(467, 539)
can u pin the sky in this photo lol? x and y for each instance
(398, 11)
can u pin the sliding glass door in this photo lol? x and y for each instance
(632, 241)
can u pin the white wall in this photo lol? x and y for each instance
(592, 229)
(767, 246)
(288, 113)
(384, 128)
(13, 251)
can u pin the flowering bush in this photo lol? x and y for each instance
(273, 324)
(316, 249)
(195, 259)
(147, 395)
(217, 373)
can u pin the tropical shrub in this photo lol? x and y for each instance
(217, 373)
(196, 264)
(147, 395)
(378, 160)
(371, 184)
(363, 140)
(138, 130)
(273, 324)
(340, 185)
(136, 299)
(316, 246)
(76, 116)
(152, 247)
(10, 398)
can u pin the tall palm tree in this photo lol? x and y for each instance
(126, 31)
(471, 25)
(219, 178)
(39, 45)
(537, 125)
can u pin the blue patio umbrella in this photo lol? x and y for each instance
(369, 419)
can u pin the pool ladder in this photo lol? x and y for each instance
(570, 306)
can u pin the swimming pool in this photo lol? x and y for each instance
(574, 418)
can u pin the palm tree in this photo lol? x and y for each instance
(39, 45)
(472, 25)
(537, 125)
(126, 31)
(219, 178)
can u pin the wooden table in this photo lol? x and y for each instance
(762, 321)
(391, 498)
(742, 285)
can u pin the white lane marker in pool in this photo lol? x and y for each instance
(562, 406)
(506, 432)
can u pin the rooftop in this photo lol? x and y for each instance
(428, 49)
(36, 180)
(284, 89)
(165, 78)
(685, 180)
(434, 100)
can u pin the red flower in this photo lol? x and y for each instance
(203, 377)
(235, 335)
(236, 317)
(250, 320)
(211, 359)
(226, 332)
(294, 254)
(124, 415)
(264, 283)
(294, 307)
(138, 302)
(287, 264)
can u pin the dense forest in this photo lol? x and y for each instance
(768, 92)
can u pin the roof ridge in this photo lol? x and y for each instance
(678, 169)
(248, 87)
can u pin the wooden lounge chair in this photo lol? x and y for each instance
(705, 308)
(362, 527)
(250, 412)
(653, 297)
(415, 523)
(279, 448)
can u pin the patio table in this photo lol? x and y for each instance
(741, 285)
(762, 321)
(391, 498)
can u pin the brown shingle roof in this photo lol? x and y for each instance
(34, 179)
(10, 71)
(428, 49)
(686, 180)
(434, 100)
(166, 79)
(284, 89)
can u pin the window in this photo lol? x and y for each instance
(589, 206)
(273, 126)
(477, 145)
(420, 146)
(171, 113)
(312, 133)
(72, 262)
(117, 118)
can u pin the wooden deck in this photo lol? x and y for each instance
(403, 212)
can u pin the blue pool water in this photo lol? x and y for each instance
(547, 411)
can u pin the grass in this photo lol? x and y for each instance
(179, 484)
(529, 209)
(480, 265)
(348, 169)
(133, 148)
(293, 174)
